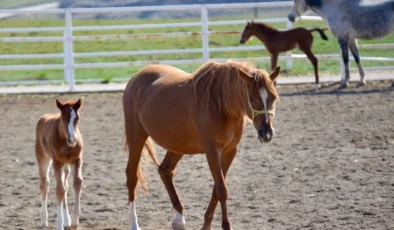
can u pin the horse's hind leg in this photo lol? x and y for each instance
(167, 170)
(44, 164)
(226, 160)
(135, 145)
(354, 50)
(306, 47)
(77, 180)
(274, 62)
(344, 44)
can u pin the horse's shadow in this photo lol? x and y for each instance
(336, 90)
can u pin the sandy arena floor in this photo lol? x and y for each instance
(331, 166)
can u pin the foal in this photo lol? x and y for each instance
(276, 41)
(59, 143)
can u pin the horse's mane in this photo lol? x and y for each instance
(313, 3)
(219, 84)
(261, 25)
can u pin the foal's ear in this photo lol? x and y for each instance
(247, 77)
(59, 104)
(77, 104)
(275, 73)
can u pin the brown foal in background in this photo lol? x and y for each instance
(276, 41)
(59, 143)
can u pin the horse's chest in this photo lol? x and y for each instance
(68, 154)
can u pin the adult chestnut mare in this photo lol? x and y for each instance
(59, 143)
(203, 112)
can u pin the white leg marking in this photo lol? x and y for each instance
(264, 97)
(59, 217)
(66, 215)
(133, 217)
(71, 130)
(179, 221)
(44, 213)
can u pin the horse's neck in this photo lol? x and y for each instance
(263, 32)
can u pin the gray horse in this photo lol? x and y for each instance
(350, 20)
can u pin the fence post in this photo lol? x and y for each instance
(204, 33)
(289, 63)
(68, 50)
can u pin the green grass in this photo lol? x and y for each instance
(300, 67)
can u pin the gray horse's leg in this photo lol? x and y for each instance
(344, 44)
(353, 48)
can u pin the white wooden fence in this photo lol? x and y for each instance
(68, 55)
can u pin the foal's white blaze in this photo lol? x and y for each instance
(71, 130)
(264, 97)
(133, 217)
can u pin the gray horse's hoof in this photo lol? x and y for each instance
(361, 83)
(344, 85)
(178, 226)
(392, 85)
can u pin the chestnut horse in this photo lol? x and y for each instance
(59, 143)
(276, 41)
(203, 112)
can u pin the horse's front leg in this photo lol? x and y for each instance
(66, 214)
(214, 162)
(344, 44)
(60, 192)
(78, 180)
(354, 50)
(226, 160)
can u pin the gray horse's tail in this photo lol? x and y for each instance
(321, 32)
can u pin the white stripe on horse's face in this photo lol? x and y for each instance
(71, 129)
(264, 97)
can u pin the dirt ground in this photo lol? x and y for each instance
(331, 166)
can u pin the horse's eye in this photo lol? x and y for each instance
(251, 99)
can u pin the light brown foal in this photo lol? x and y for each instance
(276, 41)
(59, 143)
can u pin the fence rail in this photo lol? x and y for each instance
(68, 38)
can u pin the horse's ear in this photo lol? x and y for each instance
(77, 104)
(59, 104)
(275, 73)
(247, 77)
(248, 24)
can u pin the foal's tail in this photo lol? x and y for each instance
(148, 149)
(321, 32)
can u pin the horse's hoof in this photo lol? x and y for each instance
(361, 83)
(344, 85)
(392, 85)
(178, 226)
(44, 225)
(67, 228)
(317, 87)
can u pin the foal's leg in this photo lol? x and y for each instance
(77, 180)
(44, 165)
(344, 44)
(60, 191)
(354, 50)
(66, 214)
(167, 170)
(226, 159)
(274, 62)
(135, 146)
(307, 50)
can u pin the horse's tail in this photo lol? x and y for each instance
(321, 32)
(148, 149)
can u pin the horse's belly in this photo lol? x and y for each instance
(182, 144)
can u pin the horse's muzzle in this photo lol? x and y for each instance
(242, 41)
(71, 141)
(266, 135)
(291, 18)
